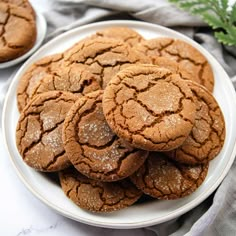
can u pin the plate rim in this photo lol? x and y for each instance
(41, 26)
(187, 207)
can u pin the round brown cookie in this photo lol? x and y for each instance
(149, 107)
(17, 31)
(39, 131)
(207, 136)
(44, 67)
(104, 57)
(72, 79)
(22, 3)
(97, 196)
(165, 179)
(125, 34)
(186, 55)
(92, 147)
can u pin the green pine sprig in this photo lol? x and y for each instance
(217, 14)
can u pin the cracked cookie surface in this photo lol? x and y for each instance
(207, 136)
(42, 68)
(22, 3)
(71, 79)
(149, 107)
(97, 196)
(104, 57)
(17, 31)
(173, 66)
(163, 178)
(91, 145)
(125, 34)
(39, 131)
(187, 56)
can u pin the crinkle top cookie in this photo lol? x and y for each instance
(207, 136)
(104, 57)
(149, 107)
(17, 31)
(39, 131)
(92, 147)
(188, 57)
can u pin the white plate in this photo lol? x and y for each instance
(41, 32)
(139, 215)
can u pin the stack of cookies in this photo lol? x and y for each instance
(17, 28)
(120, 117)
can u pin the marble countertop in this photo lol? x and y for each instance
(21, 213)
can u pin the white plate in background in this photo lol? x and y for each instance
(138, 215)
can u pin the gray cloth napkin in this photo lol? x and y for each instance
(217, 214)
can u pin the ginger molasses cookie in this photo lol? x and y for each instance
(186, 55)
(72, 79)
(149, 107)
(17, 31)
(207, 136)
(97, 196)
(42, 68)
(104, 57)
(165, 179)
(92, 147)
(39, 131)
(125, 34)
(22, 3)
